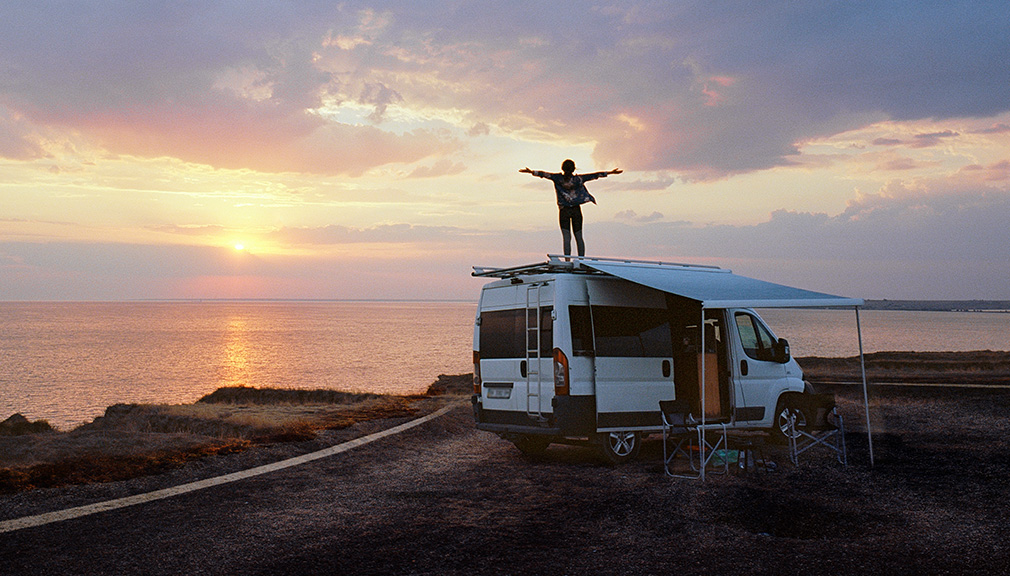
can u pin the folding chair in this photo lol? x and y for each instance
(684, 435)
(821, 425)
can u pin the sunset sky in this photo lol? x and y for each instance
(371, 150)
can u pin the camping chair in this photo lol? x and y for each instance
(818, 424)
(683, 435)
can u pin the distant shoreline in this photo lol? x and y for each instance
(995, 306)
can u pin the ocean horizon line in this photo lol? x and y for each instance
(198, 300)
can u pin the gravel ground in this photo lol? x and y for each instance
(445, 498)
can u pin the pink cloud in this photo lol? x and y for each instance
(711, 89)
(230, 133)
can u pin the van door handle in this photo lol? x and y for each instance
(666, 368)
(743, 368)
(522, 368)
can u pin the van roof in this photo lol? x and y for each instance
(711, 286)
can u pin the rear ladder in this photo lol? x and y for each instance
(534, 379)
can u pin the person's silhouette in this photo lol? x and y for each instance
(571, 191)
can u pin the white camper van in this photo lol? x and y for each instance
(584, 349)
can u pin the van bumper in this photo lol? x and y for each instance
(574, 416)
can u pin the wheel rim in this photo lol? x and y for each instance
(784, 420)
(622, 443)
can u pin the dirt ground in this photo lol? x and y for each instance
(448, 499)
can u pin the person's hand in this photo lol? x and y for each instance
(526, 171)
(615, 171)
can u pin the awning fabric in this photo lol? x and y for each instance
(718, 288)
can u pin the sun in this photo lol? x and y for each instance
(239, 246)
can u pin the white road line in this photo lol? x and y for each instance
(67, 514)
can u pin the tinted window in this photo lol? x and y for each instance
(757, 342)
(582, 330)
(631, 332)
(503, 333)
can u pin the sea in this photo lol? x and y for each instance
(65, 362)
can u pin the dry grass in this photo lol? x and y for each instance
(131, 440)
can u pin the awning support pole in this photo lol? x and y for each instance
(862, 369)
(701, 383)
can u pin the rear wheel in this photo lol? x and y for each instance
(532, 445)
(786, 408)
(619, 447)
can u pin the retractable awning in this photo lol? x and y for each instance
(717, 288)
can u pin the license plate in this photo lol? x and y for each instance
(499, 392)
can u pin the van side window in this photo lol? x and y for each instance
(632, 332)
(757, 342)
(503, 333)
(546, 331)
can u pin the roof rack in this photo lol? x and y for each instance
(573, 265)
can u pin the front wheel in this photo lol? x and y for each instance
(786, 408)
(619, 447)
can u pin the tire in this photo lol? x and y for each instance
(531, 445)
(780, 425)
(619, 447)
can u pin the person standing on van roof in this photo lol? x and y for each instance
(570, 189)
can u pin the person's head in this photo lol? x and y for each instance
(568, 166)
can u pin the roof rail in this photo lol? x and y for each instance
(573, 265)
(657, 263)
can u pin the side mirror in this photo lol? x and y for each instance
(781, 350)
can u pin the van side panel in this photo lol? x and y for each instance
(633, 354)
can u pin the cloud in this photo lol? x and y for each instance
(196, 230)
(18, 138)
(232, 135)
(479, 129)
(441, 167)
(994, 173)
(156, 81)
(634, 217)
(999, 128)
(928, 238)
(388, 233)
(886, 142)
(700, 90)
(942, 237)
(380, 96)
(933, 138)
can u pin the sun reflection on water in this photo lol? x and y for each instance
(235, 368)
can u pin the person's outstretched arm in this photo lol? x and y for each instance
(537, 173)
(595, 175)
